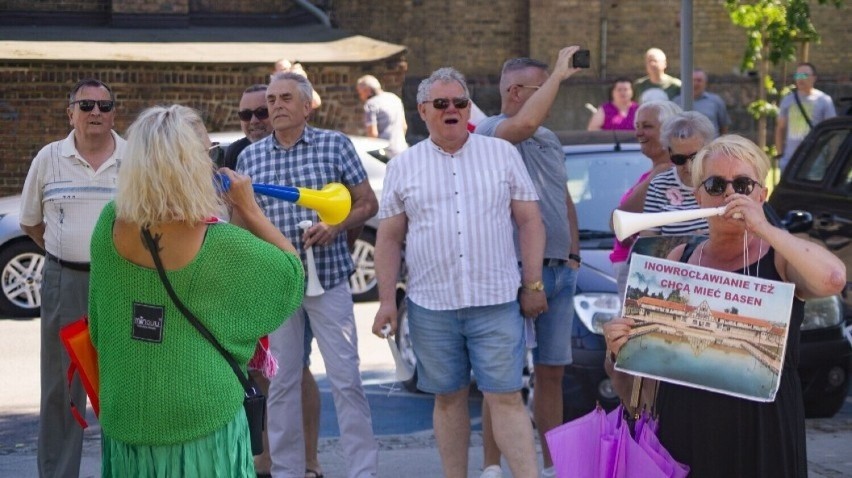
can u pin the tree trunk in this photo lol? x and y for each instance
(761, 95)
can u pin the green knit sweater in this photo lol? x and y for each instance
(180, 388)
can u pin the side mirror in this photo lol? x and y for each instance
(798, 221)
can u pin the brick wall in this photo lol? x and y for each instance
(35, 95)
(475, 36)
(240, 6)
(56, 5)
(478, 35)
(150, 6)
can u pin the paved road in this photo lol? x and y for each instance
(402, 421)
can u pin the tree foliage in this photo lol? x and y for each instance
(774, 31)
(778, 25)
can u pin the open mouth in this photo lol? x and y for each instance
(451, 121)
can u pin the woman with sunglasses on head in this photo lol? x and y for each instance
(171, 405)
(682, 135)
(720, 435)
(649, 120)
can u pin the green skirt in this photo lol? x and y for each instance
(225, 453)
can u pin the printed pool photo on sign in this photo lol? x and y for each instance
(705, 328)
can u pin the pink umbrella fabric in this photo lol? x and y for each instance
(599, 445)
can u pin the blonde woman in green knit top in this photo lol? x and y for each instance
(170, 404)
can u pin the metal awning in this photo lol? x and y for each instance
(306, 44)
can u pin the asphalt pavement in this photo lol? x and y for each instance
(402, 421)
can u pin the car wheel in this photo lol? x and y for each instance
(826, 405)
(21, 266)
(403, 343)
(363, 280)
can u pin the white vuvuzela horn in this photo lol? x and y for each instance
(314, 287)
(404, 370)
(626, 224)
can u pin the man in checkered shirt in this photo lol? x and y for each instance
(302, 156)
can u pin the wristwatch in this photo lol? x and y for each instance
(575, 257)
(534, 286)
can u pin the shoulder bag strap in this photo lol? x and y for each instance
(152, 247)
(802, 108)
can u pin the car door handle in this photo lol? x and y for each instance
(831, 222)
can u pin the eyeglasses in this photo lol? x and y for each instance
(801, 76)
(214, 151)
(444, 103)
(262, 113)
(534, 87)
(681, 159)
(88, 105)
(717, 185)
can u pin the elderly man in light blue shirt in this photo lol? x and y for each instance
(709, 104)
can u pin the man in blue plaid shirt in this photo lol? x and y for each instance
(302, 156)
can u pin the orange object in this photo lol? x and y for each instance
(84, 360)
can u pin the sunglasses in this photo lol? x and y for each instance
(681, 159)
(262, 113)
(801, 76)
(444, 103)
(717, 185)
(88, 105)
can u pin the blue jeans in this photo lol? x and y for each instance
(449, 343)
(553, 328)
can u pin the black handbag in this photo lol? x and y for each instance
(254, 402)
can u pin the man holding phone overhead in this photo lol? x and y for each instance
(527, 93)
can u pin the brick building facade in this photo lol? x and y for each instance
(475, 36)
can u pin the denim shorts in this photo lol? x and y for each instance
(553, 328)
(449, 343)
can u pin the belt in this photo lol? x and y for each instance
(553, 263)
(77, 266)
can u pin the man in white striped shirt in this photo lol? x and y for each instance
(452, 200)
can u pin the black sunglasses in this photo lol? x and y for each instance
(444, 103)
(262, 113)
(88, 105)
(681, 159)
(717, 185)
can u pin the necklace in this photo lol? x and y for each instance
(746, 260)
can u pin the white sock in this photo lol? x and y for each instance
(549, 472)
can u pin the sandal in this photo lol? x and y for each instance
(309, 473)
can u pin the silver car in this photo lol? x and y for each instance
(21, 263)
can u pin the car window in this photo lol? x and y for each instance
(821, 156)
(844, 179)
(597, 181)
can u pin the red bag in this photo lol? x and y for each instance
(84, 360)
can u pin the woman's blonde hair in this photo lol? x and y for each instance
(734, 146)
(166, 174)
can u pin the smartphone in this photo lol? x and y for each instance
(581, 59)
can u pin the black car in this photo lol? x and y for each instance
(817, 183)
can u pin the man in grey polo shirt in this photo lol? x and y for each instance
(527, 93)
(85, 163)
(709, 104)
(384, 115)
